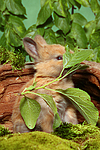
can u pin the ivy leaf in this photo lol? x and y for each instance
(85, 3)
(70, 60)
(44, 14)
(78, 33)
(79, 19)
(81, 100)
(30, 110)
(15, 7)
(62, 23)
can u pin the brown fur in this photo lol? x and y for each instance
(48, 67)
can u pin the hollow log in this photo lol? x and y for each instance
(12, 80)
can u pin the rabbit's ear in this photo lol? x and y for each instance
(31, 47)
(40, 40)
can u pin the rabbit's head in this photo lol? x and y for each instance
(48, 58)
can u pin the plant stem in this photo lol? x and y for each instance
(57, 79)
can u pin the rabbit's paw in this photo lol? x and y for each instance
(19, 126)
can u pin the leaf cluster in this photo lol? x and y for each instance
(12, 14)
(58, 23)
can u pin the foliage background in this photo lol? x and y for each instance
(74, 31)
(33, 7)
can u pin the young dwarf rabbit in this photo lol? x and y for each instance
(48, 65)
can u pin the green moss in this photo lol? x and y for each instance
(92, 143)
(78, 137)
(76, 132)
(36, 141)
(3, 131)
(15, 59)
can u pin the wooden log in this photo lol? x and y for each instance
(12, 80)
(10, 83)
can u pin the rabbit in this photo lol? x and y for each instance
(48, 64)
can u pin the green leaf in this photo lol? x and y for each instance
(79, 19)
(30, 110)
(81, 100)
(17, 25)
(58, 8)
(60, 40)
(2, 5)
(49, 100)
(62, 23)
(85, 3)
(42, 2)
(95, 55)
(31, 87)
(95, 6)
(78, 33)
(44, 14)
(15, 31)
(57, 121)
(95, 39)
(89, 28)
(70, 42)
(77, 57)
(49, 36)
(2, 22)
(75, 3)
(3, 40)
(64, 6)
(15, 7)
(12, 37)
(33, 31)
(97, 21)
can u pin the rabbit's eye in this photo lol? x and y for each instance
(59, 58)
